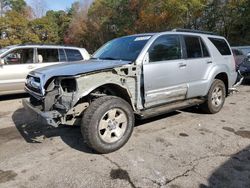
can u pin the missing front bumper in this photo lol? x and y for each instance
(48, 118)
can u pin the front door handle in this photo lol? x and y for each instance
(182, 65)
(209, 62)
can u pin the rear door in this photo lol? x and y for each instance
(165, 73)
(18, 63)
(198, 62)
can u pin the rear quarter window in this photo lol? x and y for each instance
(73, 55)
(221, 45)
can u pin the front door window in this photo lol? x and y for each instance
(19, 56)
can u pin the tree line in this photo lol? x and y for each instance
(91, 26)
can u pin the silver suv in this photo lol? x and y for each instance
(17, 61)
(140, 75)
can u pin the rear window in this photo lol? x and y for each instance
(221, 46)
(73, 55)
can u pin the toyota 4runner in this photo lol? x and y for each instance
(140, 75)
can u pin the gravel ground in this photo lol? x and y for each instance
(181, 149)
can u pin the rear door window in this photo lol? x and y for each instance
(46, 55)
(73, 55)
(221, 45)
(193, 46)
(19, 56)
(204, 49)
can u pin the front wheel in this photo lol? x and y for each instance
(107, 124)
(216, 97)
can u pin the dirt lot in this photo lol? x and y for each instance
(181, 149)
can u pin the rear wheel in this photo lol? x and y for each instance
(107, 124)
(216, 97)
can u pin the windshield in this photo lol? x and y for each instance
(125, 48)
(3, 50)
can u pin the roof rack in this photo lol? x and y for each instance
(44, 44)
(193, 31)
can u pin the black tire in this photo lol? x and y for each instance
(210, 106)
(91, 122)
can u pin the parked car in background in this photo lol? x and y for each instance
(244, 49)
(244, 69)
(239, 56)
(17, 61)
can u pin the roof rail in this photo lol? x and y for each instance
(44, 44)
(193, 31)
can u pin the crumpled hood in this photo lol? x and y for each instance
(76, 68)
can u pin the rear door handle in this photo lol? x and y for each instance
(182, 65)
(209, 62)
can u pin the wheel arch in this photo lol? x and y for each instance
(113, 90)
(223, 77)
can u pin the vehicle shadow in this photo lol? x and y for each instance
(35, 132)
(235, 172)
(193, 110)
(13, 96)
(139, 122)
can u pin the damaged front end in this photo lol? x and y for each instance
(55, 103)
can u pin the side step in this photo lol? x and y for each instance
(159, 110)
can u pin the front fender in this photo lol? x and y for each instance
(88, 83)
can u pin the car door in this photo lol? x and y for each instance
(164, 73)
(17, 64)
(199, 62)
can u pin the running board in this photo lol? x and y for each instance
(159, 110)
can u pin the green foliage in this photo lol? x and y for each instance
(17, 5)
(16, 30)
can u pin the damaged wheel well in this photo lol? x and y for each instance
(111, 89)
